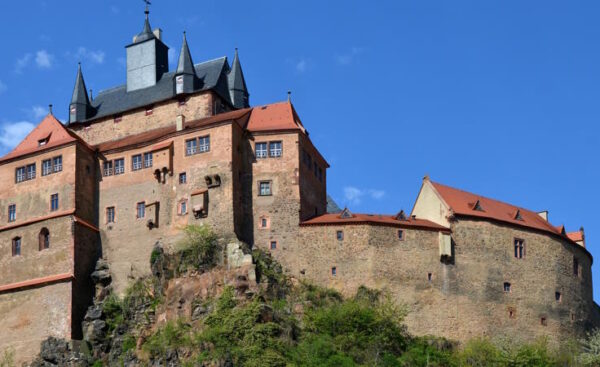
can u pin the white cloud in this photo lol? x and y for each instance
(22, 63)
(348, 57)
(43, 59)
(354, 195)
(37, 112)
(12, 133)
(83, 54)
(2, 87)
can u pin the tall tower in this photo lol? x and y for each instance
(147, 58)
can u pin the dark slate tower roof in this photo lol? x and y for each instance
(80, 95)
(237, 84)
(146, 33)
(185, 65)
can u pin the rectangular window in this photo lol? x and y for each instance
(261, 150)
(31, 171)
(557, 296)
(264, 188)
(57, 163)
(576, 268)
(141, 209)
(12, 212)
(46, 167)
(320, 174)
(544, 321)
(334, 271)
(20, 174)
(110, 214)
(339, 235)
(119, 166)
(519, 248)
(429, 277)
(191, 147)
(54, 202)
(506, 287)
(147, 160)
(182, 178)
(108, 168)
(400, 234)
(273, 245)
(204, 144)
(136, 162)
(263, 222)
(275, 149)
(16, 246)
(183, 207)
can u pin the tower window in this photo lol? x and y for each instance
(273, 245)
(16, 246)
(149, 110)
(576, 267)
(44, 239)
(506, 287)
(519, 248)
(182, 178)
(12, 212)
(110, 214)
(183, 207)
(136, 162)
(147, 160)
(264, 222)
(275, 149)
(512, 313)
(141, 209)
(53, 202)
(544, 321)
(118, 118)
(264, 188)
(333, 271)
(339, 235)
(260, 150)
(558, 296)
(429, 277)
(400, 234)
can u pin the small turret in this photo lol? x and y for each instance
(80, 107)
(185, 75)
(237, 85)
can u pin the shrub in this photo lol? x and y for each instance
(590, 354)
(8, 358)
(198, 249)
(172, 336)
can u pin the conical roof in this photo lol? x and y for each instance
(80, 95)
(185, 65)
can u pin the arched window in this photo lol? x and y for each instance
(16, 246)
(44, 239)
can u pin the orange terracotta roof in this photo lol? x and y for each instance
(274, 117)
(376, 219)
(576, 236)
(153, 136)
(49, 130)
(462, 203)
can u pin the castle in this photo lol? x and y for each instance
(138, 162)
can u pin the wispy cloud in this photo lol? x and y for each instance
(349, 57)
(354, 195)
(22, 63)
(114, 9)
(36, 112)
(2, 87)
(300, 65)
(12, 133)
(83, 54)
(43, 59)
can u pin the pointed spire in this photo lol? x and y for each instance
(185, 65)
(80, 95)
(146, 33)
(237, 84)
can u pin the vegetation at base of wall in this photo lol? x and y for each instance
(8, 358)
(198, 250)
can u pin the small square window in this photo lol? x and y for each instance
(181, 102)
(182, 178)
(261, 150)
(204, 144)
(118, 118)
(558, 296)
(149, 110)
(275, 149)
(544, 321)
(191, 147)
(264, 188)
(400, 234)
(333, 271)
(512, 313)
(108, 168)
(273, 245)
(339, 235)
(506, 287)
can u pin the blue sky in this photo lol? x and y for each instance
(497, 97)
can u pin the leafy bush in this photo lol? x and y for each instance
(8, 358)
(590, 355)
(199, 248)
(172, 336)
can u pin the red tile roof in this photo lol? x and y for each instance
(462, 204)
(376, 219)
(51, 130)
(576, 236)
(274, 117)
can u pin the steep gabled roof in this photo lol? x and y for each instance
(185, 65)
(50, 131)
(80, 95)
(576, 236)
(279, 116)
(461, 203)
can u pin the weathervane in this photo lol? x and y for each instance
(148, 3)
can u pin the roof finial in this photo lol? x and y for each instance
(289, 96)
(147, 11)
(50, 108)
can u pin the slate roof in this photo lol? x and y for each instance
(212, 75)
(185, 65)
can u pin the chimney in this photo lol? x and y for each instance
(180, 122)
(544, 214)
(158, 33)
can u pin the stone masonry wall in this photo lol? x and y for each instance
(313, 190)
(137, 121)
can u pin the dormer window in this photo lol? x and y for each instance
(401, 215)
(477, 206)
(518, 215)
(149, 110)
(42, 142)
(346, 214)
